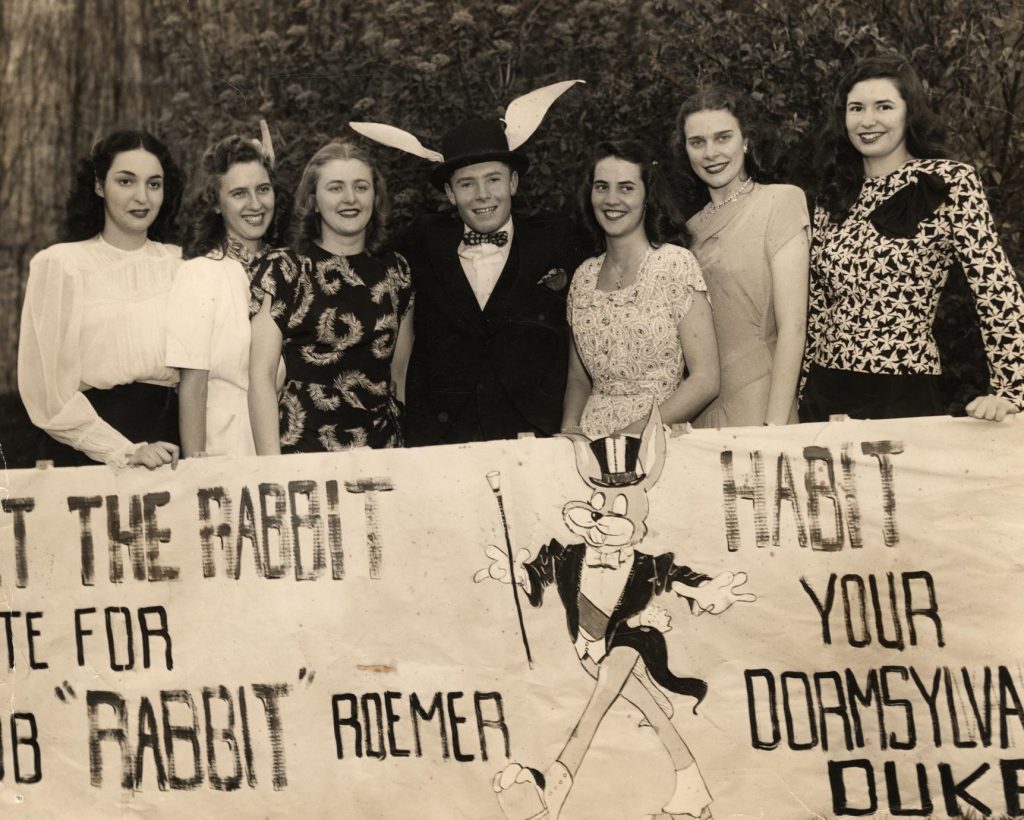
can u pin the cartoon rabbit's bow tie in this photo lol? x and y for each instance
(607, 560)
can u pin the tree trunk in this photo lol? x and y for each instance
(71, 70)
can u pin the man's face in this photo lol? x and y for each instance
(483, 194)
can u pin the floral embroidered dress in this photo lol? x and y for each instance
(339, 318)
(877, 275)
(628, 339)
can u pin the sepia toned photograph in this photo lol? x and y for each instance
(529, 410)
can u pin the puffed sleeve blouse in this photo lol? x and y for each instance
(876, 276)
(94, 316)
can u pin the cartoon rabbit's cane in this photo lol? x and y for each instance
(494, 479)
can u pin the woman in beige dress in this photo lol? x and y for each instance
(752, 244)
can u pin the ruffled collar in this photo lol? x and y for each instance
(234, 249)
(145, 246)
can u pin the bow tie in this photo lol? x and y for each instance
(499, 238)
(607, 560)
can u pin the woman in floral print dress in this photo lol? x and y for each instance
(893, 219)
(639, 310)
(341, 316)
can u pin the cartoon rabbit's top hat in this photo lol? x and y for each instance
(619, 459)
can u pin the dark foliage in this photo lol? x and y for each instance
(214, 68)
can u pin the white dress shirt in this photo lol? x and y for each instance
(484, 263)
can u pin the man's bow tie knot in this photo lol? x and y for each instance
(499, 238)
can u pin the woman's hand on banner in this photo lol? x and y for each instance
(155, 455)
(991, 408)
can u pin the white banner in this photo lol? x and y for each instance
(303, 635)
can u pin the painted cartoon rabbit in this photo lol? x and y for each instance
(607, 584)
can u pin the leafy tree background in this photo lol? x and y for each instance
(193, 71)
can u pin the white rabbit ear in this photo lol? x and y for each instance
(266, 143)
(395, 138)
(586, 462)
(524, 114)
(652, 448)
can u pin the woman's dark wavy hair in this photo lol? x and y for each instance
(839, 166)
(763, 146)
(662, 220)
(204, 227)
(84, 215)
(305, 228)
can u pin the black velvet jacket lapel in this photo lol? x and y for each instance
(461, 302)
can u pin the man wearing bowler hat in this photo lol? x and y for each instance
(491, 338)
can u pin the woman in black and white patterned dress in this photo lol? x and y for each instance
(894, 217)
(340, 314)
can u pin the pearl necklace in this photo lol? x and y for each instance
(712, 208)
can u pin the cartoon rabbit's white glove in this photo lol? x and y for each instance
(498, 569)
(653, 616)
(719, 593)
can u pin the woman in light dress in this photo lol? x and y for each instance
(231, 212)
(752, 241)
(91, 366)
(639, 312)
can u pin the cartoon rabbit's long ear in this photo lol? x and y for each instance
(524, 114)
(395, 138)
(587, 464)
(266, 143)
(652, 448)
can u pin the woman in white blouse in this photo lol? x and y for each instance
(91, 368)
(229, 215)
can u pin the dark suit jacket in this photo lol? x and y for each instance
(650, 575)
(488, 374)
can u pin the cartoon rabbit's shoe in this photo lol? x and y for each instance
(691, 799)
(704, 815)
(526, 794)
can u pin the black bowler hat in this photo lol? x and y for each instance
(472, 142)
(483, 140)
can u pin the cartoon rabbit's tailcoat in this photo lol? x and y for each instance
(649, 575)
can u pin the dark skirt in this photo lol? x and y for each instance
(829, 392)
(140, 412)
